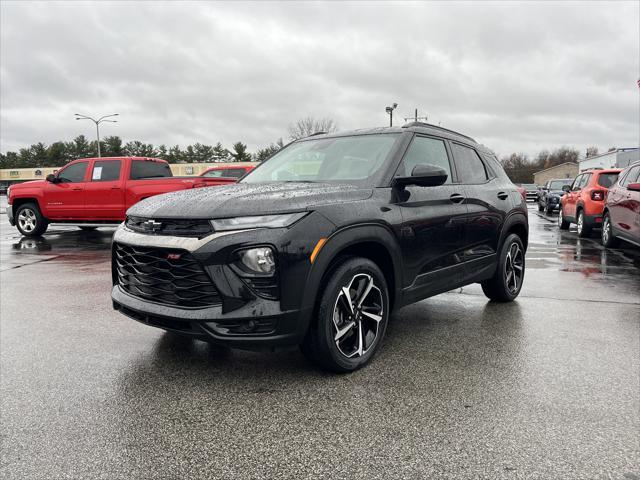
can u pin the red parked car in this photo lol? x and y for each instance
(94, 192)
(621, 217)
(227, 171)
(583, 203)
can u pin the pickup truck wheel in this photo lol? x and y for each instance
(506, 282)
(562, 223)
(352, 317)
(30, 221)
(88, 229)
(540, 207)
(609, 240)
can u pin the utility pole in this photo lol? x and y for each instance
(97, 122)
(415, 117)
(390, 110)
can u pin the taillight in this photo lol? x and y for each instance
(597, 195)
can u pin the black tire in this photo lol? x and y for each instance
(29, 220)
(549, 211)
(584, 231)
(540, 207)
(88, 229)
(609, 240)
(362, 334)
(562, 223)
(506, 283)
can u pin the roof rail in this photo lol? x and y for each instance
(317, 133)
(437, 127)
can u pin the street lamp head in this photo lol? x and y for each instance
(388, 109)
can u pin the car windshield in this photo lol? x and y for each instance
(607, 179)
(558, 184)
(350, 158)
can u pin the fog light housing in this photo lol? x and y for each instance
(258, 260)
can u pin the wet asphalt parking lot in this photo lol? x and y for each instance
(546, 387)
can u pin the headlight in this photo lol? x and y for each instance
(258, 221)
(258, 260)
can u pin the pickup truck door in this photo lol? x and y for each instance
(104, 197)
(66, 197)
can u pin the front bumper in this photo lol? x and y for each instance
(243, 318)
(9, 212)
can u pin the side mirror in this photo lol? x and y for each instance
(634, 187)
(566, 188)
(52, 178)
(423, 176)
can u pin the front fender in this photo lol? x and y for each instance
(342, 240)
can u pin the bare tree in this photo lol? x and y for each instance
(309, 125)
(592, 151)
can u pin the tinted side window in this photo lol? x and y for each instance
(585, 180)
(233, 172)
(73, 173)
(106, 171)
(576, 183)
(470, 167)
(149, 169)
(424, 151)
(631, 177)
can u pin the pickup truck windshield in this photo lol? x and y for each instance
(326, 159)
(149, 169)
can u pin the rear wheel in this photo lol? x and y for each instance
(30, 221)
(609, 240)
(506, 283)
(583, 229)
(352, 317)
(562, 223)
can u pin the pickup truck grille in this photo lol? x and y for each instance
(172, 227)
(167, 276)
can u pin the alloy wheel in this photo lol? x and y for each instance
(580, 223)
(514, 268)
(27, 220)
(356, 316)
(606, 230)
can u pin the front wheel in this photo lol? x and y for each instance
(609, 240)
(540, 207)
(30, 221)
(352, 317)
(506, 283)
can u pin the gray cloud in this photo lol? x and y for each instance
(516, 76)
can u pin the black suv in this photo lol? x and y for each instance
(323, 241)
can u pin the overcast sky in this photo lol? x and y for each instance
(516, 76)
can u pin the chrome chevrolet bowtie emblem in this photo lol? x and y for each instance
(152, 225)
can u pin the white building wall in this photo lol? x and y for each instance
(601, 161)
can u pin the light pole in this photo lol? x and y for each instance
(390, 110)
(97, 122)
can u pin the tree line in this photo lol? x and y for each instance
(60, 153)
(520, 167)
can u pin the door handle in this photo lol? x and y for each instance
(503, 195)
(115, 188)
(76, 189)
(456, 198)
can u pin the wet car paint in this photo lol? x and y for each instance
(545, 387)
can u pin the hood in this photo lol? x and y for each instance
(556, 192)
(244, 199)
(30, 183)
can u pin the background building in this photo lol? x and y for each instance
(564, 170)
(618, 158)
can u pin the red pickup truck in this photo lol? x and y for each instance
(93, 192)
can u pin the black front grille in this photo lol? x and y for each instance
(166, 276)
(174, 227)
